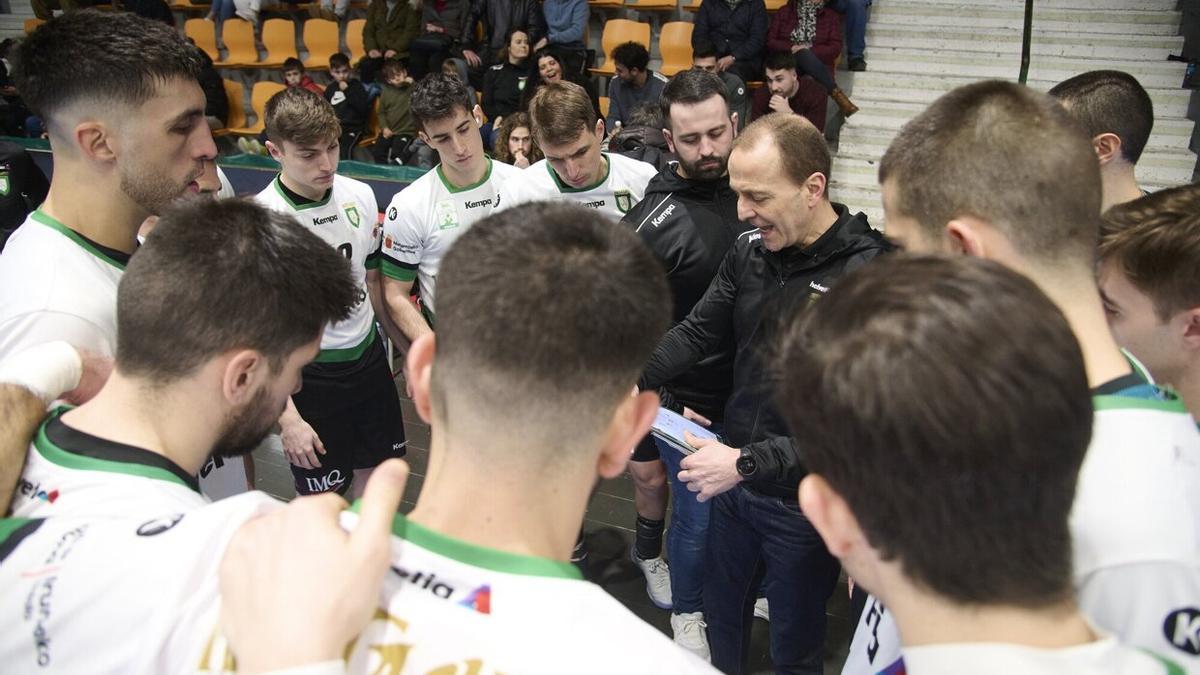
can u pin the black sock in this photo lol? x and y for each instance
(649, 538)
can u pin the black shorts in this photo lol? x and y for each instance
(646, 450)
(355, 410)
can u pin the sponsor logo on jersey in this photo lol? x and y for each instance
(818, 287)
(152, 528)
(211, 465)
(35, 491)
(497, 205)
(392, 213)
(598, 204)
(4, 184)
(479, 600)
(445, 215)
(352, 213)
(873, 619)
(427, 581)
(624, 200)
(330, 481)
(1182, 629)
(658, 220)
(387, 241)
(326, 220)
(478, 203)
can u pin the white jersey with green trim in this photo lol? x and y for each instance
(347, 218)
(623, 185)
(429, 215)
(1105, 656)
(57, 285)
(1135, 529)
(446, 605)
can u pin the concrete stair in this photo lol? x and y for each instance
(918, 50)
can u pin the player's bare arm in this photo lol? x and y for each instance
(403, 310)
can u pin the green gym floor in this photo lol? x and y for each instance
(609, 532)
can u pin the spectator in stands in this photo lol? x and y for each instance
(216, 101)
(397, 128)
(223, 10)
(24, 188)
(294, 76)
(738, 31)
(551, 68)
(566, 26)
(514, 141)
(855, 13)
(15, 117)
(1118, 115)
(504, 82)
(634, 83)
(642, 139)
(785, 92)
(704, 57)
(390, 29)
(349, 99)
(813, 36)
(1150, 282)
(44, 9)
(500, 18)
(441, 31)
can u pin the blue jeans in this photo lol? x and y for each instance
(223, 9)
(754, 538)
(856, 25)
(687, 537)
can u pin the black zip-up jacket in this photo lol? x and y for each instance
(690, 226)
(502, 87)
(752, 291)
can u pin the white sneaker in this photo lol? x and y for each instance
(658, 579)
(691, 633)
(761, 610)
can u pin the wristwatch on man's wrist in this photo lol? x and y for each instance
(746, 465)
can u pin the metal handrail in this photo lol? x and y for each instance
(1025, 42)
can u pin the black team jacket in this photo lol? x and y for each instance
(752, 291)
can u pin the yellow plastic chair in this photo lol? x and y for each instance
(372, 132)
(321, 41)
(604, 106)
(354, 39)
(238, 36)
(279, 37)
(32, 24)
(619, 31)
(204, 33)
(675, 45)
(259, 95)
(236, 117)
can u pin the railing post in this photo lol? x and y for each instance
(1026, 38)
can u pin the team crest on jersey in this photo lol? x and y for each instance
(624, 200)
(352, 213)
(4, 184)
(445, 215)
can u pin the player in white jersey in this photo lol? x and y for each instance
(919, 467)
(426, 217)
(1149, 267)
(479, 574)
(231, 330)
(346, 419)
(1137, 572)
(569, 132)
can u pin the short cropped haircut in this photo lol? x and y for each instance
(300, 116)
(292, 63)
(802, 147)
(631, 55)
(1155, 242)
(779, 61)
(220, 275)
(561, 111)
(703, 50)
(1006, 154)
(1110, 101)
(392, 68)
(105, 58)
(945, 399)
(437, 95)
(593, 305)
(338, 60)
(690, 87)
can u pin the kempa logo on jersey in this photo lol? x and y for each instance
(598, 204)
(326, 220)
(658, 220)
(35, 491)
(1182, 629)
(479, 203)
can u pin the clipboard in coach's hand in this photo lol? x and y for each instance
(669, 426)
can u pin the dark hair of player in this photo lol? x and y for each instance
(593, 305)
(300, 116)
(1006, 154)
(220, 275)
(801, 146)
(102, 58)
(1155, 241)
(561, 111)
(632, 55)
(437, 95)
(946, 400)
(690, 87)
(1110, 101)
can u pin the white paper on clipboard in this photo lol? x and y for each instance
(670, 425)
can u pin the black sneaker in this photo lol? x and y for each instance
(858, 64)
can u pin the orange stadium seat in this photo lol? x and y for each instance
(279, 37)
(321, 41)
(618, 31)
(675, 45)
(604, 106)
(354, 39)
(238, 36)
(204, 33)
(371, 133)
(259, 95)
(651, 5)
(236, 117)
(32, 24)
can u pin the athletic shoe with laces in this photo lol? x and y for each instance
(761, 610)
(691, 633)
(658, 578)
